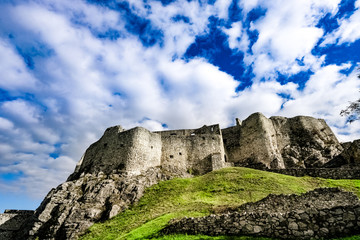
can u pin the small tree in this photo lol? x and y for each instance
(352, 112)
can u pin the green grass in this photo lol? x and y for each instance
(200, 196)
(203, 237)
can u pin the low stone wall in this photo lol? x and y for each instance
(11, 221)
(325, 218)
(332, 173)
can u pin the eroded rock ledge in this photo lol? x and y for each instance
(322, 213)
(74, 206)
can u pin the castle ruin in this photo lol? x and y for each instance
(259, 142)
(114, 172)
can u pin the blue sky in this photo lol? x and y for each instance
(70, 69)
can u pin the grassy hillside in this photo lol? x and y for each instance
(203, 195)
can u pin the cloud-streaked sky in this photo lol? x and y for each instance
(69, 69)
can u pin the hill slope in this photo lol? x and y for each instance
(199, 196)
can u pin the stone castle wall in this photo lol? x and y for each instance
(258, 142)
(322, 213)
(130, 151)
(308, 224)
(197, 151)
(145, 151)
(253, 142)
(280, 143)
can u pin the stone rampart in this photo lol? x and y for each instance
(279, 142)
(130, 151)
(323, 213)
(197, 151)
(253, 143)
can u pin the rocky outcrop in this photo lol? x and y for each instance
(349, 158)
(322, 213)
(11, 222)
(279, 142)
(75, 205)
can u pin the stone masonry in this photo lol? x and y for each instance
(318, 214)
(279, 142)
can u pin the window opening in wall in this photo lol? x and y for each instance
(105, 145)
(213, 138)
(180, 153)
(152, 147)
(203, 138)
(212, 129)
(171, 156)
(121, 145)
(192, 134)
(172, 134)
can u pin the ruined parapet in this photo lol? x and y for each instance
(135, 150)
(253, 143)
(196, 151)
(130, 151)
(11, 221)
(279, 142)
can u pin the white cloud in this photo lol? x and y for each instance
(151, 125)
(262, 97)
(238, 38)
(347, 32)
(287, 33)
(5, 124)
(21, 110)
(326, 93)
(13, 72)
(178, 35)
(248, 5)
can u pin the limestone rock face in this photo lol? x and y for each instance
(75, 205)
(11, 221)
(279, 142)
(305, 142)
(349, 158)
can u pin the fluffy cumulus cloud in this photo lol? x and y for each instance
(287, 32)
(348, 31)
(70, 69)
